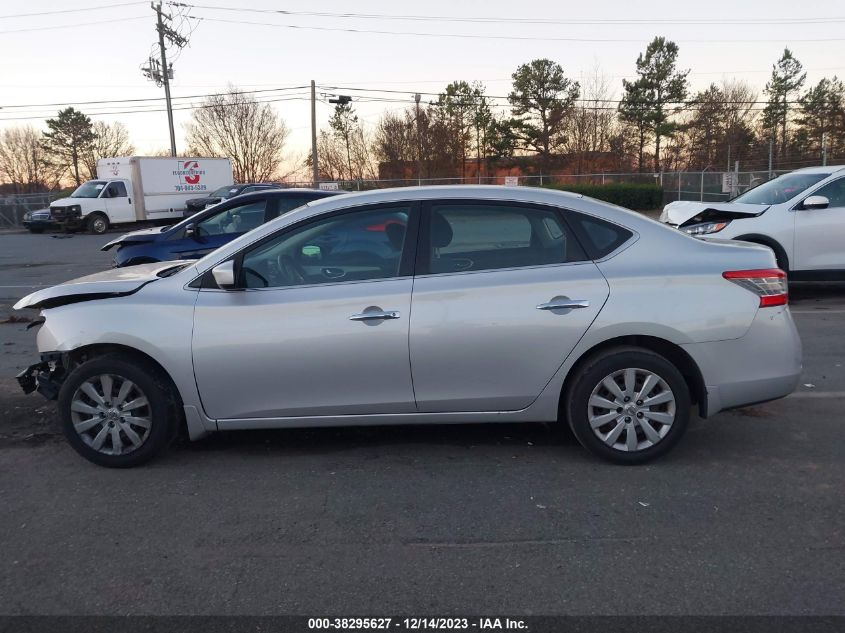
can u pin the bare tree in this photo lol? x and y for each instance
(717, 127)
(24, 161)
(235, 125)
(593, 121)
(110, 139)
(401, 139)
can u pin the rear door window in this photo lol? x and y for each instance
(473, 236)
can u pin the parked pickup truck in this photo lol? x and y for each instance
(137, 188)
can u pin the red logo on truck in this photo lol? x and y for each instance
(192, 177)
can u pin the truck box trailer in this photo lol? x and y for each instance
(139, 188)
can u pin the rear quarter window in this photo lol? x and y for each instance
(598, 237)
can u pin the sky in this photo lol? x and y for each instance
(69, 54)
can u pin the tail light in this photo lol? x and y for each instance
(769, 284)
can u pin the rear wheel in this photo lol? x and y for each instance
(117, 412)
(629, 405)
(97, 223)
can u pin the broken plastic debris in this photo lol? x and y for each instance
(809, 385)
(643, 504)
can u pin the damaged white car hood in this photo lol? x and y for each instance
(110, 283)
(676, 213)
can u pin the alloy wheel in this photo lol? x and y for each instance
(111, 414)
(631, 409)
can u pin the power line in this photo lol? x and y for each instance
(186, 107)
(77, 10)
(105, 101)
(71, 26)
(507, 20)
(437, 94)
(509, 37)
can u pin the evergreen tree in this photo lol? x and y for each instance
(69, 139)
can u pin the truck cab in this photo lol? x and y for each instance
(95, 205)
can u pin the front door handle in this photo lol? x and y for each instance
(375, 315)
(564, 304)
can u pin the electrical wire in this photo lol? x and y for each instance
(519, 38)
(77, 10)
(72, 26)
(105, 101)
(496, 20)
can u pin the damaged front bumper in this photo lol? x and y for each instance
(45, 377)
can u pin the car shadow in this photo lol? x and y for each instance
(335, 439)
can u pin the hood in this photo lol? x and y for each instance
(67, 202)
(677, 213)
(117, 282)
(136, 237)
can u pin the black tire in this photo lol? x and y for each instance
(162, 409)
(36, 231)
(97, 223)
(590, 376)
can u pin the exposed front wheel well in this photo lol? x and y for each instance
(764, 240)
(670, 351)
(88, 352)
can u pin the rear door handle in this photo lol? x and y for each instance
(375, 315)
(564, 304)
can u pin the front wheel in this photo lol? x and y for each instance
(98, 224)
(117, 412)
(629, 405)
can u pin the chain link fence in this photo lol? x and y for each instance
(13, 207)
(704, 186)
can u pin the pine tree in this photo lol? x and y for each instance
(647, 100)
(788, 77)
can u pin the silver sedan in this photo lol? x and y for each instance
(422, 306)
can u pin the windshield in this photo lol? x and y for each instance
(780, 189)
(90, 189)
(223, 192)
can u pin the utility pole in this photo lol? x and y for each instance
(824, 149)
(771, 150)
(314, 164)
(159, 70)
(165, 72)
(417, 98)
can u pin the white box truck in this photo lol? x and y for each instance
(139, 188)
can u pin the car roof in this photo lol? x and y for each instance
(828, 169)
(349, 201)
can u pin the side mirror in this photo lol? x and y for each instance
(815, 202)
(224, 275)
(191, 230)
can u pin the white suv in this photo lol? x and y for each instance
(799, 215)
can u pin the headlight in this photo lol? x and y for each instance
(705, 228)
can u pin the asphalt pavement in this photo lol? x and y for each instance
(745, 516)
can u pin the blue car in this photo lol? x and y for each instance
(198, 235)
